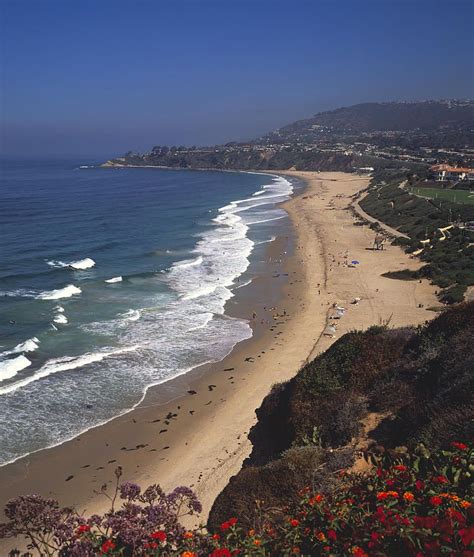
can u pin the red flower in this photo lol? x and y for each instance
(83, 528)
(390, 483)
(428, 522)
(435, 501)
(420, 484)
(294, 522)
(107, 546)
(458, 445)
(466, 535)
(453, 514)
(400, 467)
(224, 552)
(160, 535)
(228, 524)
(332, 535)
(150, 545)
(216, 537)
(440, 480)
(374, 536)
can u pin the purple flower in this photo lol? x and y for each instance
(130, 491)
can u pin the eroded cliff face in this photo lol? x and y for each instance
(239, 159)
(417, 382)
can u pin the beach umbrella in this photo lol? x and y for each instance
(355, 263)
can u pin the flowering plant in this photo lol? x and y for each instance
(417, 503)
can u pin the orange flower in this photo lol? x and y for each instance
(356, 550)
(385, 494)
(295, 550)
(316, 499)
(321, 537)
(189, 554)
(188, 535)
(408, 496)
(257, 542)
(465, 504)
(252, 532)
(294, 522)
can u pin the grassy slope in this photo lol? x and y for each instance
(449, 262)
(454, 196)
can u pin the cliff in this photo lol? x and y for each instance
(382, 387)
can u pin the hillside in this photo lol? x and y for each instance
(395, 387)
(370, 134)
(448, 255)
(452, 120)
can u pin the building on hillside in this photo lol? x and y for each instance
(444, 172)
(365, 170)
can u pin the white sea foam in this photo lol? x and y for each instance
(10, 368)
(113, 280)
(80, 264)
(59, 309)
(242, 284)
(86, 263)
(269, 241)
(59, 364)
(131, 315)
(56, 264)
(18, 293)
(189, 262)
(29, 345)
(60, 318)
(203, 291)
(65, 292)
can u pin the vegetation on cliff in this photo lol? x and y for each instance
(437, 230)
(410, 386)
(410, 504)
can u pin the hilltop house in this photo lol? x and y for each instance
(444, 172)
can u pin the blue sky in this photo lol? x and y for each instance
(99, 77)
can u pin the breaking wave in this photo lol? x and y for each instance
(66, 292)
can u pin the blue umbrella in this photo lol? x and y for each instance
(355, 263)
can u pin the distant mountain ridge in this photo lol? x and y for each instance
(383, 117)
(344, 139)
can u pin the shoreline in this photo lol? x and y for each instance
(163, 383)
(200, 438)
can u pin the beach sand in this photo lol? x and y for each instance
(199, 439)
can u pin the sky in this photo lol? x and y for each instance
(100, 77)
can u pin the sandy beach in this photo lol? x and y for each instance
(199, 438)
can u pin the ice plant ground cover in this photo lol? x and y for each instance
(410, 503)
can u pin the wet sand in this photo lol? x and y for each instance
(199, 438)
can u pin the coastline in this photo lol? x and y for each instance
(201, 439)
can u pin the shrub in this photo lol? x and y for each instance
(417, 503)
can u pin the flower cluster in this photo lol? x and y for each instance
(415, 504)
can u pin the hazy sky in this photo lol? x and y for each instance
(100, 77)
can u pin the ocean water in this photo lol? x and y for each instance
(113, 280)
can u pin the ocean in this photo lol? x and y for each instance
(114, 280)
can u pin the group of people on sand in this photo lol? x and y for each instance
(275, 314)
